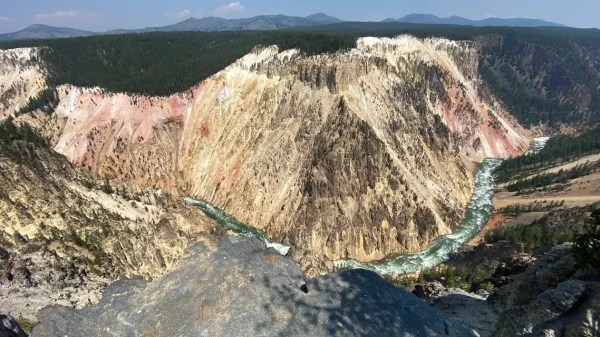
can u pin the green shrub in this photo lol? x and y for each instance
(25, 324)
(46, 101)
(10, 132)
(448, 276)
(487, 286)
(530, 235)
(106, 188)
(587, 245)
(89, 184)
(457, 277)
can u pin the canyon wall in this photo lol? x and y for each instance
(356, 154)
(21, 78)
(65, 235)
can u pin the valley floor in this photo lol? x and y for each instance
(580, 192)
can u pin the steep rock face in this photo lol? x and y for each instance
(552, 82)
(556, 266)
(256, 292)
(570, 309)
(21, 78)
(550, 298)
(356, 154)
(64, 235)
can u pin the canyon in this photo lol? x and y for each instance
(356, 154)
(383, 156)
(66, 235)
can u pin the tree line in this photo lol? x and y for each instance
(562, 176)
(536, 88)
(558, 149)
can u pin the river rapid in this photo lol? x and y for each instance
(478, 212)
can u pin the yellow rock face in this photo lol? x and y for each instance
(20, 79)
(356, 154)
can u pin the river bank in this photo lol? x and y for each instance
(478, 212)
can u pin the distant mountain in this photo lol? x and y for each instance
(262, 22)
(420, 18)
(457, 20)
(44, 32)
(323, 19)
(208, 24)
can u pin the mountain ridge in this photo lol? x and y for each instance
(206, 24)
(40, 31)
(260, 22)
(419, 18)
(263, 22)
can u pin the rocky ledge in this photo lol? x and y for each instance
(242, 289)
(545, 295)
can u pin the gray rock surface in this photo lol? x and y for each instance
(241, 289)
(470, 308)
(473, 311)
(547, 300)
(548, 271)
(571, 309)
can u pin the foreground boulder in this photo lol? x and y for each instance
(571, 309)
(241, 289)
(550, 298)
(557, 266)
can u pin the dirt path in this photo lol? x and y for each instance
(570, 165)
(581, 192)
(570, 201)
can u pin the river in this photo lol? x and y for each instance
(479, 210)
(230, 223)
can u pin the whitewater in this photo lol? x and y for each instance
(478, 212)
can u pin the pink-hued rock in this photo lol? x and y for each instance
(355, 154)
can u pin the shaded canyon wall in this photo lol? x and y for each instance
(355, 154)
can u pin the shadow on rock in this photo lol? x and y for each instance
(242, 289)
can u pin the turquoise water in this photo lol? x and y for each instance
(230, 223)
(440, 250)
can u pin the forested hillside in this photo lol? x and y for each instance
(550, 79)
(557, 150)
(543, 75)
(162, 63)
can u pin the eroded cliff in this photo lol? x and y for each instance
(21, 77)
(355, 154)
(65, 235)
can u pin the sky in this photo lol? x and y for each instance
(127, 14)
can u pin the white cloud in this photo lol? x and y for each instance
(230, 8)
(182, 14)
(57, 14)
(5, 19)
(185, 12)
